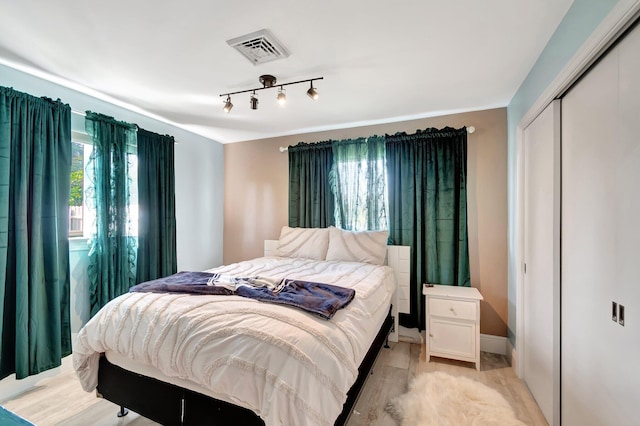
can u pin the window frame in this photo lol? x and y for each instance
(132, 150)
(83, 139)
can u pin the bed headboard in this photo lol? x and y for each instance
(270, 247)
(399, 259)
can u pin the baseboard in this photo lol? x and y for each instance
(488, 342)
(493, 344)
(410, 335)
(512, 357)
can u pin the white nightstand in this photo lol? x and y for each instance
(452, 319)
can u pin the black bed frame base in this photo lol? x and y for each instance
(173, 405)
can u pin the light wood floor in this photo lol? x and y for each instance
(60, 400)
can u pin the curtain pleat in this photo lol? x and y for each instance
(311, 202)
(428, 208)
(35, 167)
(157, 211)
(112, 247)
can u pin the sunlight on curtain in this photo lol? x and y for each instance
(358, 180)
(112, 245)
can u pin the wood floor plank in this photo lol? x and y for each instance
(389, 378)
(60, 401)
(400, 355)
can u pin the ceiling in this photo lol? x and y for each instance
(382, 61)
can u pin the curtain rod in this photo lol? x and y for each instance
(470, 129)
(84, 114)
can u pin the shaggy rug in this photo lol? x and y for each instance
(439, 399)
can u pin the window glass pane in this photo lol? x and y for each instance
(81, 213)
(361, 195)
(89, 213)
(76, 195)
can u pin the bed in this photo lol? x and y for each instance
(184, 359)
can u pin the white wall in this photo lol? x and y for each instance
(199, 168)
(80, 305)
(579, 22)
(199, 204)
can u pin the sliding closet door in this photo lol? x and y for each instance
(601, 242)
(541, 340)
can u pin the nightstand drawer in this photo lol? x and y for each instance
(458, 309)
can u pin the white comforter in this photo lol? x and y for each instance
(288, 366)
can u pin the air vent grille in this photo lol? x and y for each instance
(259, 47)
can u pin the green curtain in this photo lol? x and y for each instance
(358, 180)
(35, 167)
(157, 207)
(112, 247)
(311, 202)
(427, 174)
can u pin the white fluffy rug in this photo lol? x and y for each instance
(439, 399)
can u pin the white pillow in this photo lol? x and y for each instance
(310, 243)
(365, 246)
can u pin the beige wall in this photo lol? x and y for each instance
(256, 198)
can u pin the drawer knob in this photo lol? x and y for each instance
(430, 334)
(451, 309)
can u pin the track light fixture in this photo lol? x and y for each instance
(268, 81)
(312, 92)
(227, 105)
(282, 97)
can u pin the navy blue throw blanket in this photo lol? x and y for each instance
(182, 282)
(321, 299)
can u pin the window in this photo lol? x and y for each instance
(81, 213)
(362, 195)
(76, 196)
(358, 181)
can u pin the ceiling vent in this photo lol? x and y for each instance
(259, 47)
